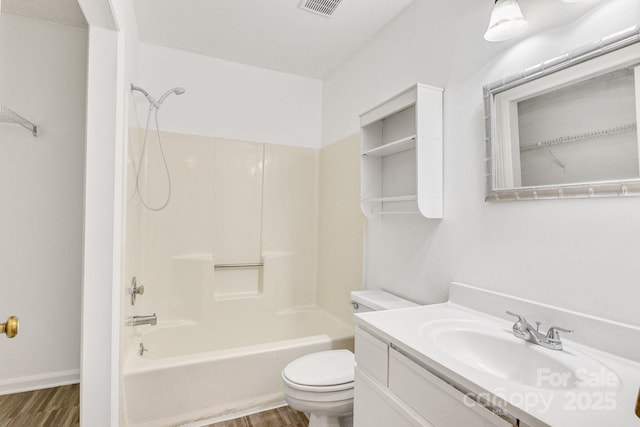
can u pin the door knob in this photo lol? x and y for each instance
(10, 328)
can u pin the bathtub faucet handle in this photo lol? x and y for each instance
(134, 290)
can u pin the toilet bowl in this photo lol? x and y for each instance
(321, 384)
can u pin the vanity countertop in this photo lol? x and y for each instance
(599, 389)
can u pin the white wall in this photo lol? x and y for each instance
(578, 254)
(42, 77)
(229, 100)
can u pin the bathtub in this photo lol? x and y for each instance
(194, 371)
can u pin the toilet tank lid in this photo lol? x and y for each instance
(380, 300)
(324, 368)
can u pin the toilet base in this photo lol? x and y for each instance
(324, 414)
(329, 421)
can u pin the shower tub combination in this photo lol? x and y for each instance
(230, 266)
(192, 372)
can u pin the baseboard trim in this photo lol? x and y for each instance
(37, 382)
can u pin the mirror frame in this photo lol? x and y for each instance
(613, 188)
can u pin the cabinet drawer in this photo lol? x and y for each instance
(372, 355)
(434, 399)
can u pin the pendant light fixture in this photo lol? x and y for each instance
(506, 21)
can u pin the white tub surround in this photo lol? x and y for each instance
(230, 267)
(233, 202)
(585, 385)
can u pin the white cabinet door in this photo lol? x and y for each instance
(375, 407)
(372, 355)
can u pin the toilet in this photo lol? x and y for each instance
(321, 384)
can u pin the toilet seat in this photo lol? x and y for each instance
(312, 389)
(325, 371)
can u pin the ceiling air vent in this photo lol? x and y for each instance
(320, 7)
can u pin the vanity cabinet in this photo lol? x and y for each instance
(393, 389)
(401, 156)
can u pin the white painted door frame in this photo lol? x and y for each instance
(103, 217)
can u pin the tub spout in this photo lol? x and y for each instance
(142, 320)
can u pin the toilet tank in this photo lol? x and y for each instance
(375, 300)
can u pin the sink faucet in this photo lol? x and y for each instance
(522, 329)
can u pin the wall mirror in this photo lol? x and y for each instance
(567, 128)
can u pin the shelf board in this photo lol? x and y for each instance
(393, 199)
(393, 147)
(398, 212)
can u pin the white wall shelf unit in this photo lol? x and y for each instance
(401, 155)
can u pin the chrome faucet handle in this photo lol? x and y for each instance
(553, 333)
(520, 328)
(134, 290)
(520, 317)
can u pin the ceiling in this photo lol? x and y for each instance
(65, 12)
(272, 34)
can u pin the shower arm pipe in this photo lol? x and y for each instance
(152, 102)
(139, 89)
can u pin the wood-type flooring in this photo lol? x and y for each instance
(279, 417)
(60, 407)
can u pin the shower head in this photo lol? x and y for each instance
(176, 90)
(152, 102)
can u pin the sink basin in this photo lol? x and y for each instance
(493, 350)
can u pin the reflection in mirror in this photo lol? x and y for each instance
(580, 133)
(568, 127)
